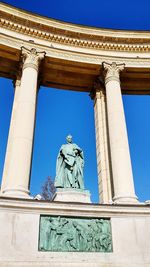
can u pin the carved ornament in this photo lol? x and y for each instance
(31, 58)
(112, 71)
(73, 35)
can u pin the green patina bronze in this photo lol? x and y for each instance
(69, 166)
(75, 234)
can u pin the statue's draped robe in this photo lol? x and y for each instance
(69, 167)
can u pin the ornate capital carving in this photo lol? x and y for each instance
(31, 58)
(17, 81)
(98, 90)
(100, 94)
(112, 71)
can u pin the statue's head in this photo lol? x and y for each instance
(69, 139)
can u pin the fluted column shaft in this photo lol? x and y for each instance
(120, 155)
(11, 130)
(18, 159)
(102, 149)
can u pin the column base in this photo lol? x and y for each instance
(16, 193)
(72, 195)
(125, 200)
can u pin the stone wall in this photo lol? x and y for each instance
(19, 234)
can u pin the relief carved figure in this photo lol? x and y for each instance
(75, 234)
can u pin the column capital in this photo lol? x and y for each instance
(112, 71)
(31, 58)
(16, 82)
(100, 94)
(98, 89)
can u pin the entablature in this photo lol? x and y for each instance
(75, 35)
(74, 53)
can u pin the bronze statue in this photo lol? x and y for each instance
(69, 167)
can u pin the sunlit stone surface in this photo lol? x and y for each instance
(76, 57)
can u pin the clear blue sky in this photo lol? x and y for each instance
(61, 112)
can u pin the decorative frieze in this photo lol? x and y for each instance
(75, 234)
(64, 37)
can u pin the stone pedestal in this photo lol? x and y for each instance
(19, 232)
(72, 195)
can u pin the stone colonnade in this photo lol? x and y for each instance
(114, 168)
(15, 181)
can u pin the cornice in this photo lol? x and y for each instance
(70, 208)
(73, 35)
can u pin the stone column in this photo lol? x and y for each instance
(119, 148)
(17, 166)
(102, 147)
(11, 130)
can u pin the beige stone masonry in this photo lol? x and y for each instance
(119, 147)
(74, 57)
(19, 149)
(17, 84)
(102, 149)
(19, 232)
